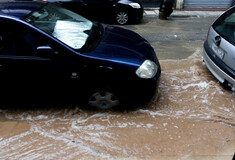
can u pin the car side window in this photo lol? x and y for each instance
(17, 42)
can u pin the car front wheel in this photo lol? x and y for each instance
(103, 100)
(122, 17)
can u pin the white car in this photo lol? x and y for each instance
(219, 49)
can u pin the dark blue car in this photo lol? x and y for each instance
(48, 52)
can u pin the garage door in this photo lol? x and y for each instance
(207, 3)
(149, 3)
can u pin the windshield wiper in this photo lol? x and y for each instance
(94, 37)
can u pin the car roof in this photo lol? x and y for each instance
(19, 9)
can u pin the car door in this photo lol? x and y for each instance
(22, 69)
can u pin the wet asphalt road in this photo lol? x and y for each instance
(175, 38)
(192, 117)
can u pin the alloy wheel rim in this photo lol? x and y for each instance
(103, 100)
(122, 17)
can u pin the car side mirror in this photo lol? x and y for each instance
(45, 51)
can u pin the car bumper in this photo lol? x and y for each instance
(143, 90)
(218, 68)
(137, 14)
(140, 94)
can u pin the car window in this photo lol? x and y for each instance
(68, 27)
(225, 26)
(15, 42)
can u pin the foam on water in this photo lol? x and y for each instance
(188, 92)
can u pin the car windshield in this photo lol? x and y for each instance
(68, 27)
(225, 26)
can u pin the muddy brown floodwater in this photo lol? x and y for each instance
(192, 118)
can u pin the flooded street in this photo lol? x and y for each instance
(192, 117)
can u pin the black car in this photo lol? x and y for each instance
(119, 11)
(48, 52)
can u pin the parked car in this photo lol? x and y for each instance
(108, 11)
(219, 49)
(49, 51)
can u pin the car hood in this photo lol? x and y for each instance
(123, 45)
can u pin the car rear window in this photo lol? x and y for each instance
(225, 26)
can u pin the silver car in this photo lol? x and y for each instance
(219, 49)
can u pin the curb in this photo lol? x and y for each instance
(184, 13)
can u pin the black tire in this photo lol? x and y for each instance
(162, 15)
(226, 85)
(104, 100)
(122, 17)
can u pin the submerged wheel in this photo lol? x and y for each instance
(122, 17)
(103, 100)
(162, 15)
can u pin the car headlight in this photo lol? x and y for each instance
(147, 70)
(135, 5)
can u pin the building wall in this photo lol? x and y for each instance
(180, 4)
(151, 3)
(208, 3)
